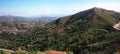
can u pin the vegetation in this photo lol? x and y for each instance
(89, 31)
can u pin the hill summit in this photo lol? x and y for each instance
(94, 15)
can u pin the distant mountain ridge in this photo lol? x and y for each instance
(42, 19)
(45, 19)
(12, 23)
(13, 18)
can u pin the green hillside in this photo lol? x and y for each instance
(87, 32)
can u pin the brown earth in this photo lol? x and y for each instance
(55, 52)
(117, 53)
(117, 26)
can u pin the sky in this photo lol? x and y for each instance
(53, 7)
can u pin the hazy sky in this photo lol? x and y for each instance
(53, 7)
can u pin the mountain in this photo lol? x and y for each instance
(94, 14)
(92, 18)
(95, 30)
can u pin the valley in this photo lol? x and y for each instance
(13, 24)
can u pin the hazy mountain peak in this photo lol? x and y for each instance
(91, 15)
(96, 8)
(92, 10)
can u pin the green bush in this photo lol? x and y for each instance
(69, 52)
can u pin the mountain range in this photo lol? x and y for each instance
(13, 18)
(44, 19)
(11, 23)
